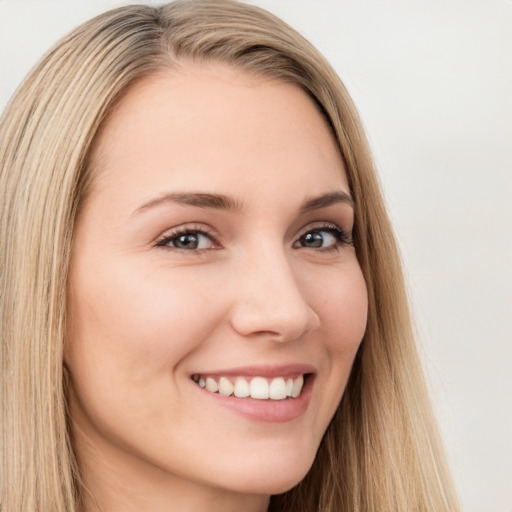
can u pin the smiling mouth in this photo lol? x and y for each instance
(260, 388)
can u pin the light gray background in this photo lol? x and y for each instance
(433, 82)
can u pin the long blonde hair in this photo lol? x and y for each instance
(382, 451)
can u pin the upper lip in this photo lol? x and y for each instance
(269, 371)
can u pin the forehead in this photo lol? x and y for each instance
(218, 127)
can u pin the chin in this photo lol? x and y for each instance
(271, 483)
(272, 477)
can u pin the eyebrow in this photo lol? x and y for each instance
(201, 200)
(327, 200)
(223, 202)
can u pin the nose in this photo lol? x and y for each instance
(270, 301)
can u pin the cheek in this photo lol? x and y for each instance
(127, 338)
(343, 309)
(133, 326)
(340, 299)
(338, 295)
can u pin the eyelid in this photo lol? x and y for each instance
(327, 226)
(318, 226)
(183, 229)
(212, 234)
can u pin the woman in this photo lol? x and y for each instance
(202, 303)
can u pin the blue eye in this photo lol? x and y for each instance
(188, 240)
(328, 237)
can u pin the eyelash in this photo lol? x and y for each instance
(341, 237)
(175, 234)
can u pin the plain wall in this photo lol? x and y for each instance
(433, 82)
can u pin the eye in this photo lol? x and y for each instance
(188, 240)
(323, 237)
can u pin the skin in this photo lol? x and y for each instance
(145, 317)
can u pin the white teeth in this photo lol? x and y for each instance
(297, 386)
(211, 385)
(277, 389)
(242, 388)
(225, 387)
(289, 387)
(259, 388)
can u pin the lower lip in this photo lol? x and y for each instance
(270, 411)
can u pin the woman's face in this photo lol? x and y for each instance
(213, 251)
